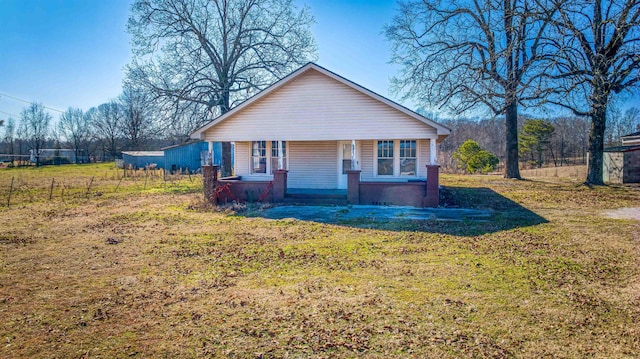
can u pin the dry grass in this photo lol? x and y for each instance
(155, 273)
(577, 173)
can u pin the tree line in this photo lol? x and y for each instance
(99, 134)
(557, 141)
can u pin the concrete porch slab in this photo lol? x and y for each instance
(328, 214)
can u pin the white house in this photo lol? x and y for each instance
(317, 126)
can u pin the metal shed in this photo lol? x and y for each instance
(190, 156)
(141, 159)
(622, 163)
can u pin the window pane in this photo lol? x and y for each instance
(407, 148)
(346, 165)
(385, 167)
(385, 149)
(274, 149)
(408, 167)
(346, 150)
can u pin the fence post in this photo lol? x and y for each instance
(89, 187)
(10, 192)
(51, 189)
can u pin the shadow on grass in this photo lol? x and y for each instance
(463, 212)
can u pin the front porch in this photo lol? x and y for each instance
(416, 193)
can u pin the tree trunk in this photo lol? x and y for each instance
(512, 169)
(596, 141)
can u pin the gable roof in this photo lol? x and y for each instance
(440, 129)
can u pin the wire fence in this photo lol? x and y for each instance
(33, 185)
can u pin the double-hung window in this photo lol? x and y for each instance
(265, 158)
(397, 158)
(259, 157)
(408, 157)
(385, 158)
(275, 159)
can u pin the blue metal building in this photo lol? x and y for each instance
(141, 159)
(190, 156)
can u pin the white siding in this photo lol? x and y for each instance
(313, 165)
(313, 107)
(241, 156)
(366, 162)
(423, 157)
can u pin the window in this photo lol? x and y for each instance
(396, 158)
(346, 157)
(385, 158)
(274, 155)
(407, 157)
(259, 157)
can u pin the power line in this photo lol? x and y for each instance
(29, 102)
(10, 114)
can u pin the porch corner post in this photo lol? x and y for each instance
(279, 189)
(353, 186)
(432, 197)
(209, 160)
(433, 152)
(210, 182)
(280, 156)
(353, 155)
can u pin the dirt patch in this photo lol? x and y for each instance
(624, 213)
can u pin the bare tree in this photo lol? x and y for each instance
(36, 126)
(216, 53)
(630, 121)
(9, 138)
(137, 117)
(75, 127)
(107, 120)
(470, 53)
(598, 56)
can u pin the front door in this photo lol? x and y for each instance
(345, 151)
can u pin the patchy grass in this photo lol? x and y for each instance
(70, 183)
(157, 273)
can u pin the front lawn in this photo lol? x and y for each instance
(128, 268)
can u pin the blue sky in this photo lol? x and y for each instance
(72, 52)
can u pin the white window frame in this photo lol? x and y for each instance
(396, 159)
(285, 157)
(266, 157)
(268, 147)
(399, 156)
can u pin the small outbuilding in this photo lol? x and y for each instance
(142, 159)
(622, 163)
(190, 157)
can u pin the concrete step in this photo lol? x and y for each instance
(316, 199)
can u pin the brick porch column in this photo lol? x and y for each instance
(279, 189)
(432, 197)
(210, 181)
(353, 186)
